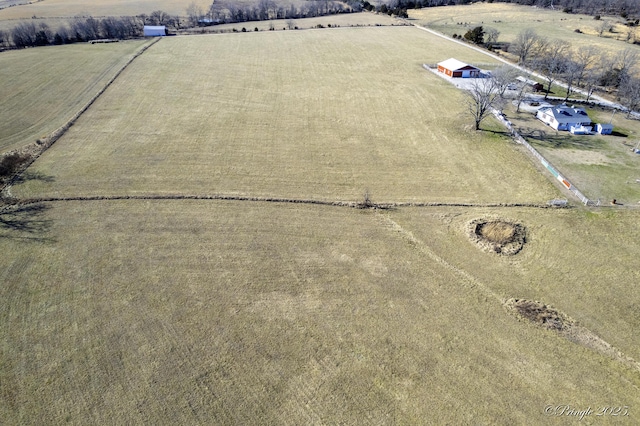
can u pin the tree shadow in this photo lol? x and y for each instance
(29, 175)
(619, 134)
(25, 223)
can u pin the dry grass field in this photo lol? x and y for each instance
(259, 313)
(71, 8)
(322, 114)
(188, 311)
(511, 19)
(41, 92)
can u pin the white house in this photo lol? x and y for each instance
(455, 68)
(564, 117)
(154, 31)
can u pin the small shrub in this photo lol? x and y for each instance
(9, 164)
(256, 29)
(597, 17)
(244, 30)
(577, 30)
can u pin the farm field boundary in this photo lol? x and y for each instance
(352, 204)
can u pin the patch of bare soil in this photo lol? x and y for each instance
(541, 314)
(550, 318)
(497, 235)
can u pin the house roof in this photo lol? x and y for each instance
(455, 65)
(567, 114)
(154, 27)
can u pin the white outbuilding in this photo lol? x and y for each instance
(604, 128)
(154, 31)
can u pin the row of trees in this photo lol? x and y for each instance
(587, 67)
(28, 34)
(624, 8)
(556, 61)
(229, 11)
(39, 33)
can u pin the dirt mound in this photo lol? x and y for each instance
(497, 236)
(541, 314)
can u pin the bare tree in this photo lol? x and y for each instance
(291, 24)
(585, 57)
(591, 79)
(604, 27)
(491, 35)
(526, 44)
(522, 93)
(502, 77)
(481, 98)
(630, 94)
(552, 62)
(4, 39)
(194, 14)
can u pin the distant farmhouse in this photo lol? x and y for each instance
(457, 69)
(154, 31)
(564, 117)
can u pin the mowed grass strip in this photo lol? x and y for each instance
(233, 312)
(322, 114)
(42, 88)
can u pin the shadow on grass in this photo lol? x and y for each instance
(28, 175)
(561, 140)
(25, 223)
(618, 134)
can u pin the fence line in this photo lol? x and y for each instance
(565, 182)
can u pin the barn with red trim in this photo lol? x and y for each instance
(458, 69)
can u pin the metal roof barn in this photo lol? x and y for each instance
(154, 31)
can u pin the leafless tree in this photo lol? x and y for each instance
(591, 78)
(481, 98)
(604, 27)
(552, 62)
(4, 39)
(629, 94)
(502, 77)
(491, 35)
(585, 57)
(522, 93)
(194, 14)
(526, 45)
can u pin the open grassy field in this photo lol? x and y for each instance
(237, 312)
(71, 8)
(43, 88)
(190, 311)
(511, 19)
(323, 114)
(602, 167)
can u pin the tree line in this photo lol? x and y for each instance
(39, 33)
(229, 11)
(587, 68)
(624, 8)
